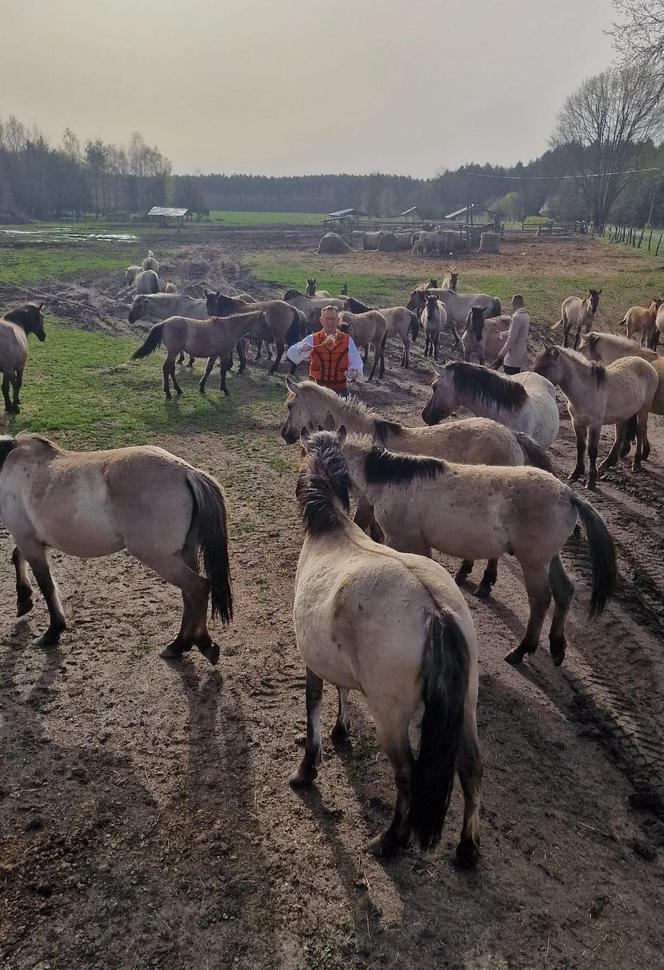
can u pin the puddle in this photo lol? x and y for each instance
(56, 233)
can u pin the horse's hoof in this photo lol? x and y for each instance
(340, 734)
(575, 475)
(201, 390)
(467, 854)
(483, 591)
(592, 485)
(557, 649)
(302, 778)
(24, 606)
(460, 577)
(49, 639)
(174, 650)
(210, 651)
(636, 466)
(383, 846)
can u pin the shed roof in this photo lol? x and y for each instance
(160, 210)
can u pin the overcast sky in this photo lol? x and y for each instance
(303, 86)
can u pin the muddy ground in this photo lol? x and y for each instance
(147, 822)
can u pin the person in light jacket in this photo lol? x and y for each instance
(514, 352)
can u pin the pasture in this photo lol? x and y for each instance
(145, 814)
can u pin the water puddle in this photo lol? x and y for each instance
(56, 233)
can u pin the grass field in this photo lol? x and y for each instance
(33, 264)
(268, 218)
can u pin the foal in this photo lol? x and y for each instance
(396, 628)
(14, 329)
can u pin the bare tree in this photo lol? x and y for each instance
(611, 117)
(639, 34)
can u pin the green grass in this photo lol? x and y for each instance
(268, 218)
(381, 290)
(35, 264)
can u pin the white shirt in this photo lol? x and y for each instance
(514, 351)
(302, 351)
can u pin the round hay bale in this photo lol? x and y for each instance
(357, 237)
(490, 242)
(388, 243)
(371, 239)
(333, 243)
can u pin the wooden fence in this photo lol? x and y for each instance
(636, 237)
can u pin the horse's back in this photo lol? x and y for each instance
(632, 378)
(13, 346)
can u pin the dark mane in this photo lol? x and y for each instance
(323, 481)
(22, 315)
(386, 466)
(289, 294)
(356, 306)
(487, 386)
(383, 428)
(599, 370)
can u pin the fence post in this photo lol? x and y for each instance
(649, 240)
(658, 243)
(641, 236)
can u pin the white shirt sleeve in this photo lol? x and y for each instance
(355, 362)
(299, 352)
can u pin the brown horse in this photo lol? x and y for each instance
(281, 321)
(14, 329)
(200, 338)
(163, 511)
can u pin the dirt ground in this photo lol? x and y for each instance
(145, 812)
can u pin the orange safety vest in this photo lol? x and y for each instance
(328, 365)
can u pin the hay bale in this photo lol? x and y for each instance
(405, 237)
(388, 243)
(333, 243)
(371, 239)
(357, 238)
(490, 242)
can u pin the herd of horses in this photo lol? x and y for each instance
(472, 488)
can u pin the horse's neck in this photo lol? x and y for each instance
(574, 380)
(483, 409)
(353, 420)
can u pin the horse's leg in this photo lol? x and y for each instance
(14, 382)
(223, 369)
(613, 455)
(35, 553)
(382, 360)
(18, 385)
(562, 589)
(191, 360)
(394, 741)
(342, 727)
(642, 443)
(178, 389)
(581, 431)
(23, 587)
(366, 354)
(464, 571)
(5, 392)
(181, 357)
(469, 768)
(280, 353)
(375, 362)
(167, 373)
(488, 579)
(208, 371)
(539, 597)
(308, 769)
(180, 570)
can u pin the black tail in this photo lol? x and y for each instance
(445, 672)
(152, 341)
(602, 554)
(210, 520)
(534, 454)
(630, 431)
(294, 334)
(654, 340)
(414, 326)
(7, 444)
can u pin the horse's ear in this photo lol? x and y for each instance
(342, 434)
(291, 385)
(41, 307)
(304, 437)
(555, 351)
(598, 292)
(328, 423)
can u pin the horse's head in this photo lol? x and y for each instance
(344, 289)
(308, 407)
(211, 300)
(139, 308)
(417, 301)
(550, 364)
(594, 299)
(311, 286)
(443, 397)
(432, 284)
(476, 321)
(31, 318)
(431, 302)
(656, 302)
(590, 346)
(454, 276)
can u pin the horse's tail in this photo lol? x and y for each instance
(630, 430)
(294, 334)
(212, 539)
(602, 554)
(414, 326)
(558, 323)
(152, 341)
(534, 454)
(445, 672)
(497, 307)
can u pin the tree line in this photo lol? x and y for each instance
(607, 128)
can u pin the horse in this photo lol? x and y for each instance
(280, 320)
(606, 347)
(170, 287)
(344, 289)
(150, 262)
(474, 336)
(308, 306)
(575, 312)
(426, 243)
(160, 306)
(311, 290)
(434, 318)
(15, 326)
(211, 338)
(474, 441)
(457, 305)
(639, 322)
(524, 402)
(131, 273)
(147, 281)
(401, 322)
(659, 328)
(396, 628)
(476, 512)
(162, 510)
(599, 395)
(450, 281)
(369, 327)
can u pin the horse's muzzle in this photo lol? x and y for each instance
(290, 437)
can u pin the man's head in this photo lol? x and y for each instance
(518, 302)
(329, 319)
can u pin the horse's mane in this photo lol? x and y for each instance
(356, 306)
(289, 294)
(599, 370)
(383, 428)
(323, 481)
(353, 405)
(488, 386)
(21, 314)
(386, 466)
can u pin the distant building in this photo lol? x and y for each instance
(344, 217)
(165, 214)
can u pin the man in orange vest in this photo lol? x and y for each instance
(332, 354)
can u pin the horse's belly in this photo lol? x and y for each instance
(86, 540)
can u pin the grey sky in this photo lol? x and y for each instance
(303, 86)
